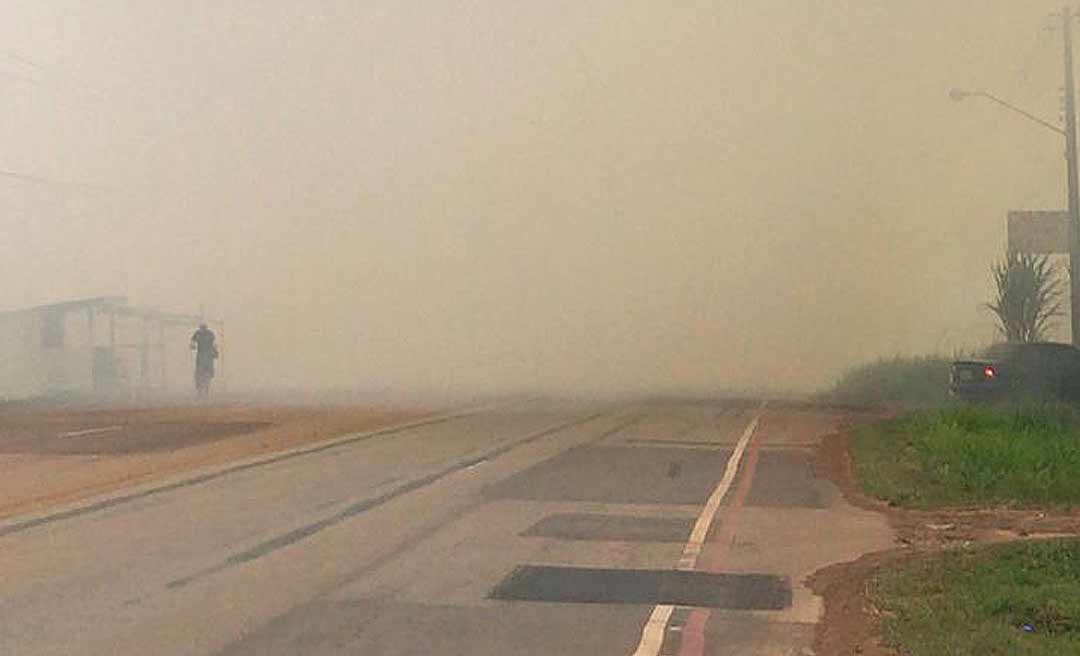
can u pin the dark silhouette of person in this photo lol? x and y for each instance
(202, 342)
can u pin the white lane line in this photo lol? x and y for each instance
(652, 636)
(701, 529)
(92, 431)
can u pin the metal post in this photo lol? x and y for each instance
(223, 382)
(1074, 193)
(112, 331)
(144, 358)
(163, 351)
(90, 357)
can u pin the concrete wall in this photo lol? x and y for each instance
(21, 375)
(31, 367)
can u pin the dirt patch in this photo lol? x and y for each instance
(851, 624)
(51, 455)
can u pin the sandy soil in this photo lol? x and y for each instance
(851, 624)
(51, 455)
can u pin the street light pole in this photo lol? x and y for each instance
(1074, 193)
(1069, 130)
(959, 94)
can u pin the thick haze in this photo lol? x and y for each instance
(602, 195)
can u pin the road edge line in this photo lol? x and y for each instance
(94, 503)
(652, 635)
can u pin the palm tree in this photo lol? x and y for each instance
(1028, 296)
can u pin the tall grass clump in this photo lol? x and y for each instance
(918, 380)
(973, 455)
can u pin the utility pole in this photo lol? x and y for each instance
(1069, 131)
(1074, 193)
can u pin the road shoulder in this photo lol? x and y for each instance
(851, 623)
(64, 458)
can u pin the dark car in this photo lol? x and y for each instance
(1043, 371)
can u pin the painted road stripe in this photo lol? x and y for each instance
(652, 636)
(693, 632)
(701, 529)
(20, 523)
(91, 431)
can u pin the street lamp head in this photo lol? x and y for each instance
(959, 94)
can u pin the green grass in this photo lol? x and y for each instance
(920, 380)
(976, 602)
(963, 455)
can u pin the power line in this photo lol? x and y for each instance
(45, 181)
(20, 78)
(24, 177)
(11, 54)
(58, 76)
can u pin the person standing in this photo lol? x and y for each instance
(202, 342)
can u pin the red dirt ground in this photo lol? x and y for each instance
(851, 624)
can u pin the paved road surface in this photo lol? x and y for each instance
(542, 528)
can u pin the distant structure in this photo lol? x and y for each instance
(97, 347)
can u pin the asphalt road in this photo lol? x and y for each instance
(541, 528)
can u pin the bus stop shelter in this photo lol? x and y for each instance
(98, 347)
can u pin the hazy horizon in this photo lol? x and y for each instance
(481, 195)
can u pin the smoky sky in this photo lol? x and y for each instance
(492, 194)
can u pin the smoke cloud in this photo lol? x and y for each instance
(616, 195)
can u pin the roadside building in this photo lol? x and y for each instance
(97, 347)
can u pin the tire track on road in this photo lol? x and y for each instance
(112, 502)
(304, 532)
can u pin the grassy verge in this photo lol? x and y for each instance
(1020, 598)
(972, 455)
(913, 381)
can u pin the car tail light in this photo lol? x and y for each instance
(989, 373)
